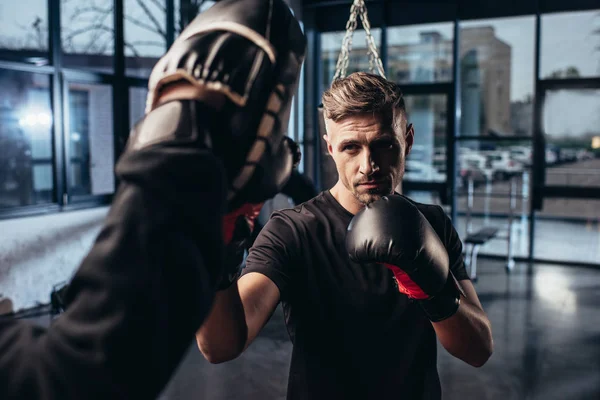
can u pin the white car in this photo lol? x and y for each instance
(419, 171)
(502, 165)
(522, 154)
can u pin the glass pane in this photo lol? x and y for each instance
(569, 45)
(571, 123)
(569, 230)
(331, 44)
(427, 158)
(26, 159)
(91, 140)
(497, 172)
(87, 33)
(137, 104)
(420, 53)
(497, 76)
(145, 35)
(187, 10)
(426, 197)
(24, 35)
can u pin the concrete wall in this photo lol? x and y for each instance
(38, 252)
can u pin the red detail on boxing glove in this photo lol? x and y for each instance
(406, 285)
(248, 211)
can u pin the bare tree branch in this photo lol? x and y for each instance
(79, 12)
(106, 46)
(159, 29)
(132, 48)
(160, 4)
(76, 32)
(148, 43)
(92, 46)
(97, 29)
(140, 24)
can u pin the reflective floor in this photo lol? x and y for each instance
(546, 327)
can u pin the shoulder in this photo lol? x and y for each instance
(434, 213)
(302, 212)
(437, 217)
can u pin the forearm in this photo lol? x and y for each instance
(467, 334)
(134, 305)
(222, 336)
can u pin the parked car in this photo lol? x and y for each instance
(522, 154)
(502, 165)
(473, 166)
(419, 171)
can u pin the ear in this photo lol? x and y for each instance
(409, 137)
(329, 147)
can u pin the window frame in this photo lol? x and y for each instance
(60, 77)
(322, 16)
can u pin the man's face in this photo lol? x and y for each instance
(368, 154)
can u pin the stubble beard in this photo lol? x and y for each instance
(371, 195)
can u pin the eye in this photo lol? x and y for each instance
(385, 145)
(350, 147)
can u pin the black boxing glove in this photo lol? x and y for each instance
(237, 235)
(392, 231)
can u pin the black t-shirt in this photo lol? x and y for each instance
(354, 334)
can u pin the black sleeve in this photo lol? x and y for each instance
(454, 247)
(274, 251)
(137, 298)
(299, 188)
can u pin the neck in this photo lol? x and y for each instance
(345, 198)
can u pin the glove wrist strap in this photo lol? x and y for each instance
(444, 304)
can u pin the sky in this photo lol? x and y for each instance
(566, 37)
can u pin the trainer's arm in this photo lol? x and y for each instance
(237, 316)
(136, 300)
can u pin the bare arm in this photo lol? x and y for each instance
(237, 316)
(467, 335)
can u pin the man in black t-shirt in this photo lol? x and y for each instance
(355, 331)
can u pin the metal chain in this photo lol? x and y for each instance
(343, 58)
(373, 54)
(358, 8)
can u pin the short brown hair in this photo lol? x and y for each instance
(364, 93)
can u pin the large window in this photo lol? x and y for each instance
(571, 123)
(497, 59)
(88, 34)
(570, 45)
(24, 32)
(26, 157)
(331, 44)
(427, 158)
(91, 140)
(187, 10)
(137, 104)
(145, 35)
(59, 139)
(421, 53)
(570, 224)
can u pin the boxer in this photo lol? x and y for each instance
(364, 307)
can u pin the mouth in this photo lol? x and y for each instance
(372, 184)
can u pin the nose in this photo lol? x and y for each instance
(368, 166)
